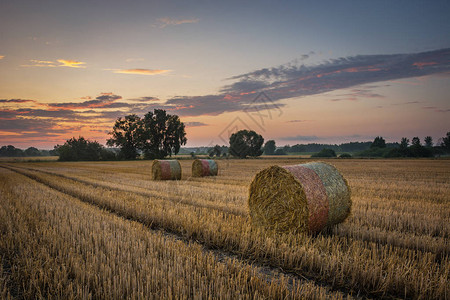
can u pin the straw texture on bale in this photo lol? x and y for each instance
(299, 198)
(204, 167)
(166, 170)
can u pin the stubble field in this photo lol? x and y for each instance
(106, 230)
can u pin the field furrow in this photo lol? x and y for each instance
(59, 248)
(341, 262)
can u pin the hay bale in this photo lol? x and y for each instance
(166, 170)
(299, 198)
(204, 167)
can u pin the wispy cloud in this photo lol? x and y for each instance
(436, 109)
(2, 56)
(134, 59)
(141, 71)
(71, 63)
(164, 22)
(54, 64)
(145, 99)
(298, 138)
(406, 103)
(357, 94)
(195, 124)
(297, 121)
(15, 100)
(104, 100)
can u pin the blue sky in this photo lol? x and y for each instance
(70, 68)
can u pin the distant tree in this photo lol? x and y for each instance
(82, 149)
(378, 142)
(32, 151)
(246, 143)
(11, 151)
(325, 153)
(415, 141)
(345, 155)
(428, 141)
(215, 151)
(224, 151)
(298, 148)
(280, 151)
(446, 142)
(404, 143)
(126, 134)
(193, 155)
(417, 150)
(269, 147)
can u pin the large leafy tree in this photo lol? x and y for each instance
(246, 143)
(126, 134)
(162, 134)
(158, 134)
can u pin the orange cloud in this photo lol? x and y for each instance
(8, 133)
(53, 64)
(2, 56)
(41, 63)
(71, 63)
(168, 21)
(141, 71)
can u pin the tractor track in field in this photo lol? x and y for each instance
(232, 211)
(228, 210)
(267, 269)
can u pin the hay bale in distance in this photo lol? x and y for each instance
(166, 169)
(299, 198)
(204, 167)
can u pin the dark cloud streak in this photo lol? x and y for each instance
(289, 81)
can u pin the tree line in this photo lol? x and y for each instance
(11, 151)
(377, 148)
(159, 134)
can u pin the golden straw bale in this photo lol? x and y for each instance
(299, 198)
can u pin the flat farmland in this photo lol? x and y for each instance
(90, 230)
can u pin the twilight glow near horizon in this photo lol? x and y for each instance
(332, 71)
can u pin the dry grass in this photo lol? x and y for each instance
(57, 247)
(394, 244)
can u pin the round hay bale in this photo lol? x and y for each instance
(166, 170)
(204, 167)
(299, 198)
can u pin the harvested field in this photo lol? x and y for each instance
(107, 230)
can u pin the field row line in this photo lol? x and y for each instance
(49, 242)
(179, 200)
(307, 259)
(267, 266)
(375, 233)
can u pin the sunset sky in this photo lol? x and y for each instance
(294, 71)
